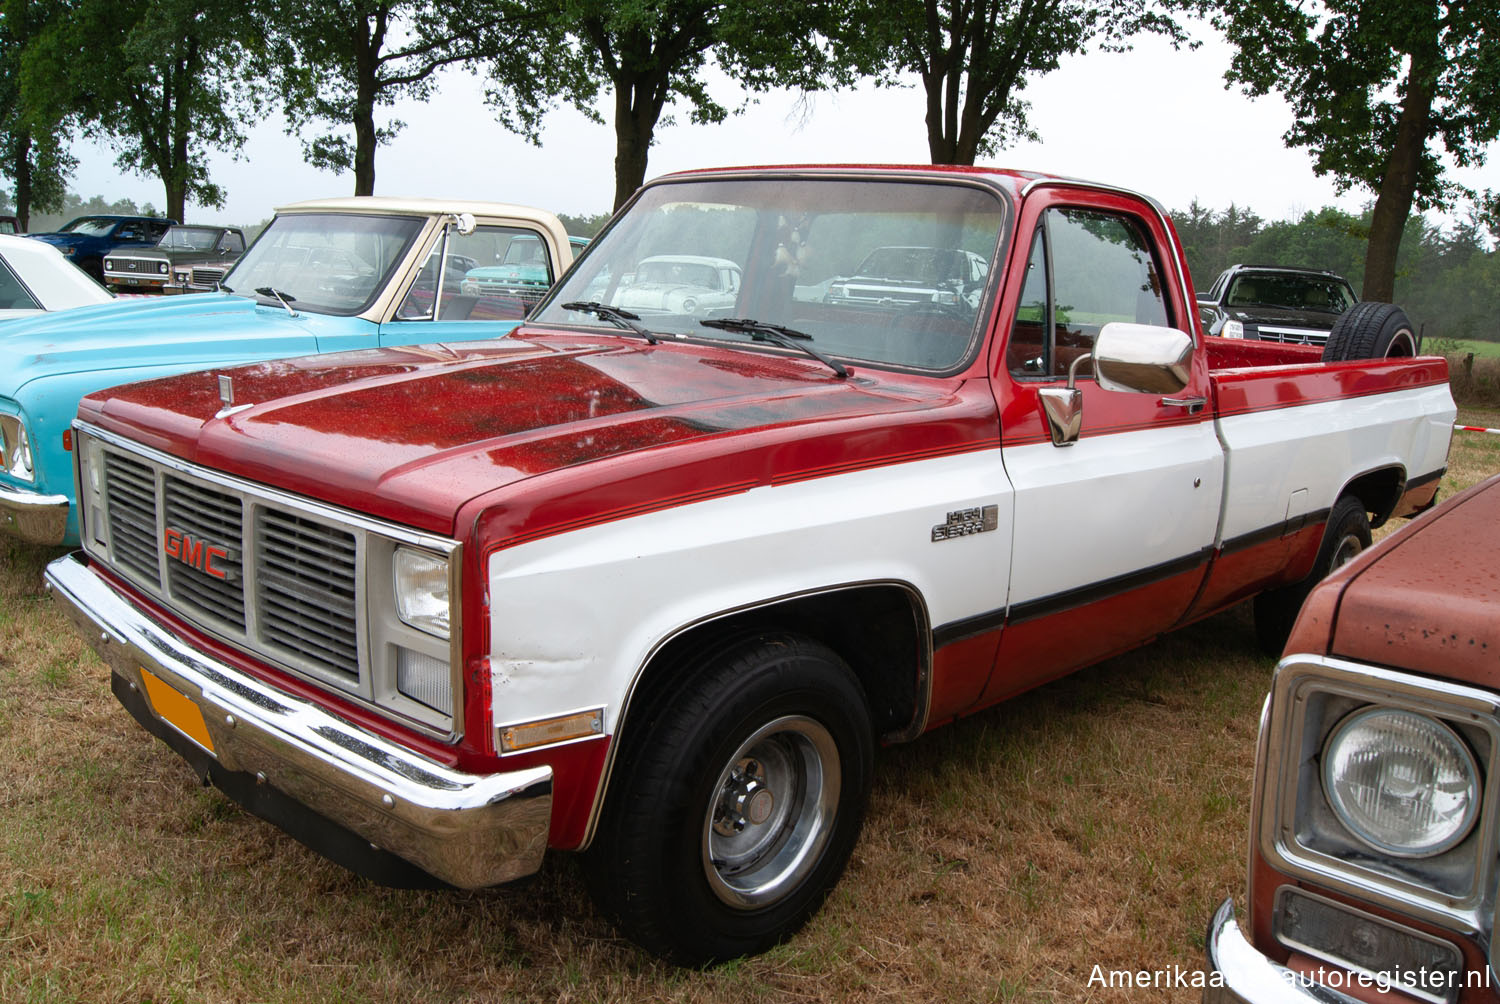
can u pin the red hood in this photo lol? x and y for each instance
(1426, 599)
(410, 434)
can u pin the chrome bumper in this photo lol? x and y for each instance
(1238, 974)
(468, 830)
(34, 517)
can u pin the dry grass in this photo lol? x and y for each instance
(1475, 377)
(1096, 821)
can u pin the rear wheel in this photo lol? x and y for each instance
(1346, 535)
(1370, 330)
(733, 813)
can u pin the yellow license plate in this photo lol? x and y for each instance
(177, 711)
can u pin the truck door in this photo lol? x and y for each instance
(1113, 532)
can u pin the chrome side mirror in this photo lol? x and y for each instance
(1136, 358)
(1143, 358)
(462, 222)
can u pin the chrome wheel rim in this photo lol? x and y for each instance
(771, 812)
(1349, 546)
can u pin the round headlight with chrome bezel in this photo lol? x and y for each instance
(17, 453)
(422, 594)
(1402, 782)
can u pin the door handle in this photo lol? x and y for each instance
(1192, 404)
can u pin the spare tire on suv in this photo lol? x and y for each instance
(1371, 330)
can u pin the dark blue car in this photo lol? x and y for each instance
(86, 240)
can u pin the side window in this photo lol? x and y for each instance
(493, 274)
(1101, 270)
(234, 243)
(13, 295)
(1031, 334)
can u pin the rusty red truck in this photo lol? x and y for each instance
(1374, 813)
(650, 582)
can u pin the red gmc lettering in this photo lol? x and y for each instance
(193, 551)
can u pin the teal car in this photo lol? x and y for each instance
(326, 276)
(524, 272)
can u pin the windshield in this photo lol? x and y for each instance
(789, 253)
(189, 239)
(90, 226)
(331, 263)
(1294, 292)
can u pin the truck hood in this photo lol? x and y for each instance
(135, 333)
(410, 434)
(1428, 598)
(1321, 320)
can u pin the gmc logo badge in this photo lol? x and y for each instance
(200, 554)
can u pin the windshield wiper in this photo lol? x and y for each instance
(776, 334)
(286, 299)
(621, 318)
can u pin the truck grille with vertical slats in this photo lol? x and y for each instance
(131, 487)
(305, 589)
(204, 518)
(286, 580)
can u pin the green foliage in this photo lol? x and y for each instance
(1350, 73)
(33, 141)
(976, 56)
(651, 54)
(163, 80)
(1448, 281)
(584, 226)
(336, 63)
(1381, 92)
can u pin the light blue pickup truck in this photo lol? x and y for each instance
(325, 276)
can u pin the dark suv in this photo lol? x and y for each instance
(86, 240)
(1275, 304)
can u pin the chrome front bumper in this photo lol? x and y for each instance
(1238, 974)
(32, 516)
(465, 829)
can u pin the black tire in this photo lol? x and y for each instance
(1346, 534)
(732, 814)
(1371, 330)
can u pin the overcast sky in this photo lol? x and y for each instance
(1154, 120)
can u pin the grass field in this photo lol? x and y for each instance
(1095, 821)
(1481, 350)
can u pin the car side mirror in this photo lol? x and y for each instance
(1134, 358)
(1143, 358)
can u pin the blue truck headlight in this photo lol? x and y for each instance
(422, 594)
(1402, 782)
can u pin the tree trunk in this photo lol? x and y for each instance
(367, 46)
(22, 174)
(1398, 184)
(364, 140)
(636, 114)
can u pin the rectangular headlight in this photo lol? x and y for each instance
(422, 596)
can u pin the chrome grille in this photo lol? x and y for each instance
(301, 586)
(131, 488)
(207, 276)
(205, 527)
(305, 590)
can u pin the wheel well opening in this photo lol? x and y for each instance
(877, 630)
(1378, 491)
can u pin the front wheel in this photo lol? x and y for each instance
(732, 814)
(1346, 534)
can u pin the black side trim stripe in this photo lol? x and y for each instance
(1426, 479)
(1266, 534)
(1069, 599)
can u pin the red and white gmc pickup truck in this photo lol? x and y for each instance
(651, 586)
